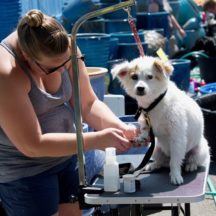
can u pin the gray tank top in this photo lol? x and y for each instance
(54, 114)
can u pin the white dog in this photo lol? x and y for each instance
(175, 118)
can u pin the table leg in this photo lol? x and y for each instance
(135, 209)
(114, 212)
(175, 210)
(187, 209)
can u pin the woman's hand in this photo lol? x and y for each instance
(130, 131)
(112, 137)
(136, 136)
(182, 32)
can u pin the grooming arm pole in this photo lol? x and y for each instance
(76, 86)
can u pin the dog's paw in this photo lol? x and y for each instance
(176, 179)
(190, 167)
(141, 141)
(191, 164)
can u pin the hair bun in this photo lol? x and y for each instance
(34, 18)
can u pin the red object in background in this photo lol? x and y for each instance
(203, 17)
(202, 83)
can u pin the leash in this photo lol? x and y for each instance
(145, 112)
(134, 31)
(151, 106)
(141, 110)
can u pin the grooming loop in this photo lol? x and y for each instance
(147, 119)
(134, 31)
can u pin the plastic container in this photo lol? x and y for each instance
(128, 37)
(111, 171)
(113, 52)
(117, 25)
(175, 5)
(97, 79)
(95, 25)
(130, 51)
(9, 16)
(192, 23)
(187, 10)
(96, 47)
(181, 73)
(208, 105)
(191, 37)
(208, 88)
(73, 10)
(207, 69)
(158, 30)
(155, 20)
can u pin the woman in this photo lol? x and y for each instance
(38, 171)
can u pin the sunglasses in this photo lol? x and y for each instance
(51, 70)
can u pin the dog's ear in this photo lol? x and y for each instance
(120, 70)
(168, 68)
(163, 67)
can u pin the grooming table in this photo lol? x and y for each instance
(155, 188)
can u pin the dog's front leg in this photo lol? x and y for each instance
(160, 159)
(143, 138)
(177, 155)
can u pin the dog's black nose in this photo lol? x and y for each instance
(140, 90)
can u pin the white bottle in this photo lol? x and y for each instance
(111, 171)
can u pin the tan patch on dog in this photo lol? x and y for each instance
(158, 65)
(158, 77)
(161, 66)
(168, 69)
(134, 70)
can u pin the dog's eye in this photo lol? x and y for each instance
(149, 77)
(134, 77)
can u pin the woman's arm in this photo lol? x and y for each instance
(177, 26)
(19, 122)
(95, 112)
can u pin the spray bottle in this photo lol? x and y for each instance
(111, 171)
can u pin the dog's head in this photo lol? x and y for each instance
(143, 77)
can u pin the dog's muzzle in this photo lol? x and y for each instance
(140, 91)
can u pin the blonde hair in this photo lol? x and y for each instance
(40, 35)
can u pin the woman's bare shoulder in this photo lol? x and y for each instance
(11, 75)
